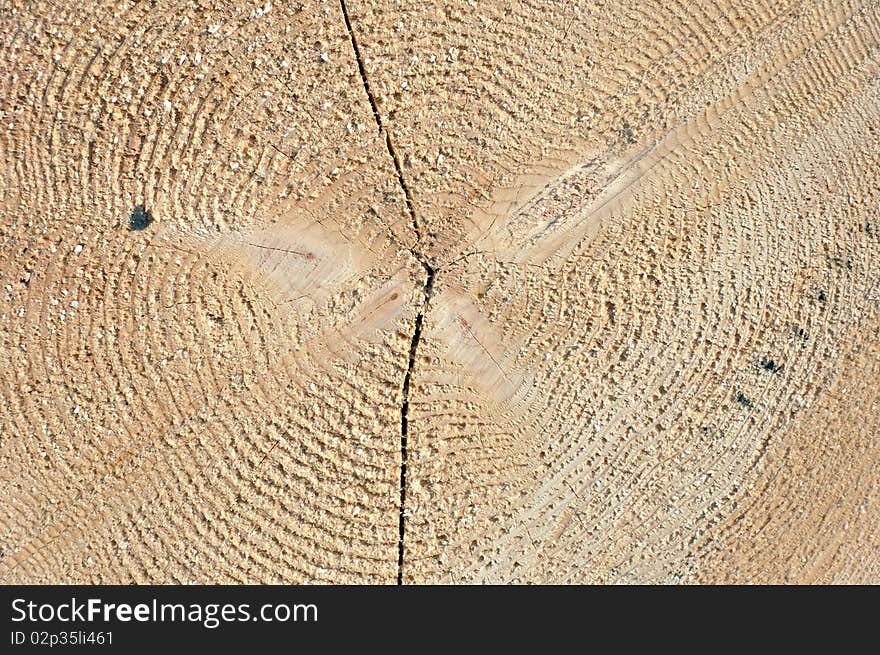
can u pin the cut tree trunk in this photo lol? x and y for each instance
(399, 292)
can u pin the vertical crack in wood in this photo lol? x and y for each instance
(389, 145)
(404, 413)
(430, 276)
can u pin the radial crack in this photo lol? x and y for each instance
(430, 275)
(404, 414)
(389, 145)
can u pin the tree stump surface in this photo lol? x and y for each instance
(376, 291)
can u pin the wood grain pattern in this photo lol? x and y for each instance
(524, 292)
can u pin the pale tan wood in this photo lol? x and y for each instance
(216, 397)
(595, 283)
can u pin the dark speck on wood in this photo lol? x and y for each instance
(140, 218)
(741, 398)
(770, 365)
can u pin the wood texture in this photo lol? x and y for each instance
(466, 292)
